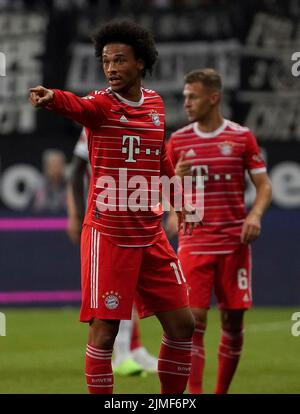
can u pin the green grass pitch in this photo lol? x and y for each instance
(43, 352)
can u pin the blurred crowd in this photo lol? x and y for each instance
(168, 19)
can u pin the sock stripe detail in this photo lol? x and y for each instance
(178, 341)
(173, 373)
(232, 347)
(232, 351)
(99, 351)
(98, 370)
(202, 356)
(228, 356)
(95, 356)
(177, 345)
(232, 334)
(175, 362)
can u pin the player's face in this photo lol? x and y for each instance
(199, 101)
(121, 68)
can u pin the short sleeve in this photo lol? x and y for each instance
(254, 161)
(171, 152)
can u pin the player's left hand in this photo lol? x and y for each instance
(251, 228)
(172, 224)
(183, 224)
(184, 220)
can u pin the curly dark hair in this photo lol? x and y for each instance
(125, 31)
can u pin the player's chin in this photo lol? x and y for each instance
(116, 86)
(190, 117)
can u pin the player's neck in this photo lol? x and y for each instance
(133, 94)
(211, 123)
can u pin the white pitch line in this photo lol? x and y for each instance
(268, 326)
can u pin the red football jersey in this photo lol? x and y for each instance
(127, 153)
(220, 158)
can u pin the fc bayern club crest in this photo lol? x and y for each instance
(226, 148)
(111, 299)
(155, 118)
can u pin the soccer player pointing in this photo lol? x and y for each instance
(125, 255)
(218, 253)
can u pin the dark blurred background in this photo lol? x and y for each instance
(249, 42)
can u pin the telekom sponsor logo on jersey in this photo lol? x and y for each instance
(137, 193)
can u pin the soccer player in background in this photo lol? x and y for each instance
(130, 357)
(125, 254)
(217, 152)
(51, 194)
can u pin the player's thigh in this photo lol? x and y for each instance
(161, 285)
(109, 276)
(199, 270)
(233, 279)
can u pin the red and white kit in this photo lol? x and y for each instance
(125, 140)
(214, 255)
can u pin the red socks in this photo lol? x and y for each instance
(135, 336)
(229, 354)
(174, 364)
(198, 360)
(98, 371)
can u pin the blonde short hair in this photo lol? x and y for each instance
(208, 76)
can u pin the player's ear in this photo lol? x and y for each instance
(141, 65)
(215, 97)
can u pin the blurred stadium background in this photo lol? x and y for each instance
(48, 42)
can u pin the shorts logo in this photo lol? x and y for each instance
(111, 299)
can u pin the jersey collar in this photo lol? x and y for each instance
(212, 134)
(127, 102)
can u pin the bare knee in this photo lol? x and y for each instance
(200, 315)
(178, 324)
(189, 328)
(102, 333)
(181, 330)
(232, 320)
